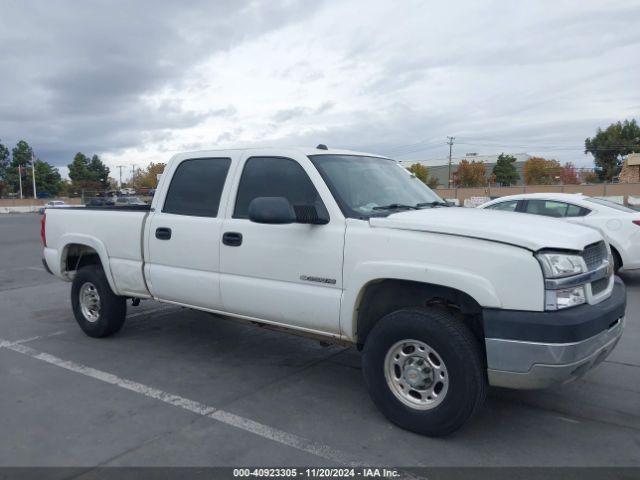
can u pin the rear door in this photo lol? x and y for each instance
(183, 233)
(289, 274)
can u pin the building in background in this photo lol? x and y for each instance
(630, 172)
(439, 167)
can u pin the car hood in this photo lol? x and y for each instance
(524, 230)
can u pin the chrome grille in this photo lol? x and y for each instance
(594, 255)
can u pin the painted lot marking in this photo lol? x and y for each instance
(242, 423)
(9, 343)
(159, 310)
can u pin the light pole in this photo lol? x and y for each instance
(33, 173)
(450, 142)
(20, 179)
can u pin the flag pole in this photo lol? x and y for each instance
(33, 173)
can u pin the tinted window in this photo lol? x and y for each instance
(509, 206)
(196, 187)
(552, 208)
(274, 177)
(607, 203)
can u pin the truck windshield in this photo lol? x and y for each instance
(373, 186)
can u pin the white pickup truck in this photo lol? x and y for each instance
(351, 248)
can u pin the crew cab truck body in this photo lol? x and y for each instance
(351, 247)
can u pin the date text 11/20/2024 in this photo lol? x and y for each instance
(316, 472)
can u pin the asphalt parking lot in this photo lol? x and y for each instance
(182, 388)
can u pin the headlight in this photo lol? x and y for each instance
(559, 299)
(558, 265)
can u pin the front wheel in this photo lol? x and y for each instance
(424, 370)
(98, 310)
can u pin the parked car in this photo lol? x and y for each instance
(350, 248)
(129, 201)
(101, 202)
(620, 224)
(53, 204)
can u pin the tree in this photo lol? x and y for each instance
(422, 173)
(590, 177)
(505, 170)
(4, 166)
(48, 178)
(100, 171)
(22, 156)
(88, 174)
(470, 174)
(148, 178)
(569, 175)
(609, 145)
(540, 171)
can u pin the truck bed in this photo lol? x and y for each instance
(115, 232)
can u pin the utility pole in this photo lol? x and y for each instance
(450, 143)
(20, 178)
(120, 167)
(133, 172)
(33, 173)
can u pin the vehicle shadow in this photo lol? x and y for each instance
(630, 278)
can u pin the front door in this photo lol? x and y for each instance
(289, 274)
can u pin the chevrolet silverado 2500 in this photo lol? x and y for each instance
(351, 247)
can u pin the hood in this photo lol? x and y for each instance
(524, 230)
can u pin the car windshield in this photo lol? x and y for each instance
(607, 203)
(372, 186)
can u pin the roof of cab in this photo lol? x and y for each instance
(276, 151)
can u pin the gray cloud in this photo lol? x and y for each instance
(500, 76)
(79, 71)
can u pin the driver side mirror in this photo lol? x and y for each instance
(278, 211)
(271, 210)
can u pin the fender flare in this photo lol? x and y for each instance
(91, 242)
(474, 285)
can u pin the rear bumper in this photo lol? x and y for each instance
(46, 266)
(551, 348)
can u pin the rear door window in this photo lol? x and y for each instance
(553, 208)
(196, 187)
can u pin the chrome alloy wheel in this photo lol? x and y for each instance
(416, 374)
(89, 302)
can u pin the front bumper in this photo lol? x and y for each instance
(529, 350)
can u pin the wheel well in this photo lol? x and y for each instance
(77, 256)
(616, 254)
(385, 296)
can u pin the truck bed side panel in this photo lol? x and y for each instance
(115, 234)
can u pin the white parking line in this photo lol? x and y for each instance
(8, 343)
(246, 424)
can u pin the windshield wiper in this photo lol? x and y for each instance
(437, 203)
(397, 206)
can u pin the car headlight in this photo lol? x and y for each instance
(558, 265)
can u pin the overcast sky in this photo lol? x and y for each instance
(136, 81)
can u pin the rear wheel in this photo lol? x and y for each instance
(424, 370)
(98, 310)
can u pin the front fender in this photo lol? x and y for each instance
(477, 287)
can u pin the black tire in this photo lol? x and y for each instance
(617, 260)
(458, 349)
(112, 310)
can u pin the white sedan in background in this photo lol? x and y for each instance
(54, 204)
(619, 223)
